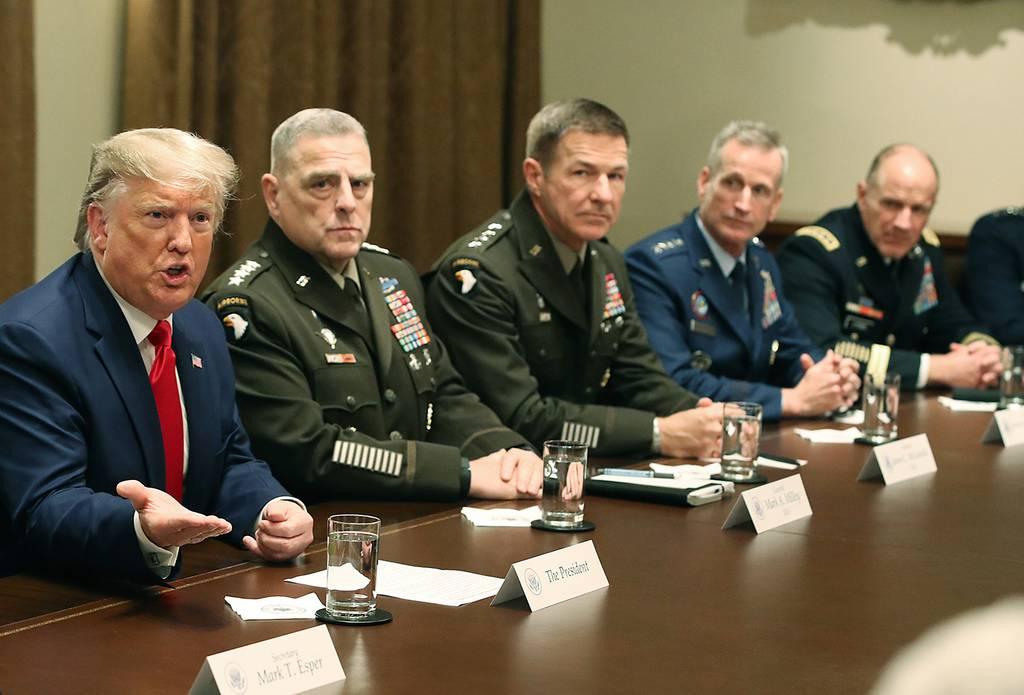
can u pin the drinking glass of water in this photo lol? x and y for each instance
(353, 544)
(741, 436)
(1011, 385)
(565, 467)
(881, 402)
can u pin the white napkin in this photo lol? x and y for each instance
(959, 406)
(830, 436)
(275, 607)
(850, 417)
(501, 517)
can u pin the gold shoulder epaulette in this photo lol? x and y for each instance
(930, 237)
(824, 237)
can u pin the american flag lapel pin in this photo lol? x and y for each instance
(197, 362)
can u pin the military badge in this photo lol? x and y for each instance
(328, 335)
(409, 329)
(467, 279)
(242, 272)
(302, 281)
(927, 295)
(699, 304)
(606, 377)
(340, 358)
(613, 304)
(414, 363)
(235, 326)
(771, 311)
(700, 360)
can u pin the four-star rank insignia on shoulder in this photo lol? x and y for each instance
(409, 329)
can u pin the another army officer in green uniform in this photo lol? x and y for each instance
(537, 309)
(341, 384)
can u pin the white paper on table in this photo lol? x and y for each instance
(516, 518)
(850, 417)
(347, 578)
(830, 436)
(275, 607)
(426, 584)
(959, 406)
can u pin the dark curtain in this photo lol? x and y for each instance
(445, 89)
(18, 143)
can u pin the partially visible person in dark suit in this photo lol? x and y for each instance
(121, 439)
(873, 273)
(995, 273)
(710, 295)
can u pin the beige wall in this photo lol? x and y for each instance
(78, 68)
(839, 79)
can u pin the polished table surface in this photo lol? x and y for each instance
(820, 603)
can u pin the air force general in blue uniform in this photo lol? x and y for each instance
(697, 323)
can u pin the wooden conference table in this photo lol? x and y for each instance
(819, 604)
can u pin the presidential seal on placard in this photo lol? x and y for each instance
(533, 582)
(236, 678)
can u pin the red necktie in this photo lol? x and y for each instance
(164, 380)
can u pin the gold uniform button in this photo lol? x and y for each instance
(350, 401)
(390, 396)
(395, 435)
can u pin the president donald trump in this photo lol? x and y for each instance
(121, 440)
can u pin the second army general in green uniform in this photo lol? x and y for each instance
(341, 385)
(873, 273)
(537, 309)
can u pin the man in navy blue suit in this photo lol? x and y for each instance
(710, 294)
(121, 439)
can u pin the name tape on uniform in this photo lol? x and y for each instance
(1007, 426)
(294, 663)
(554, 577)
(900, 460)
(772, 505)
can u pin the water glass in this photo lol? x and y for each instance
(565, 467)
(1011, 385)
(881, 401)
(353, 543)
(741, 436)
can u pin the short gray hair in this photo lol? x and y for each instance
(750, 134)
(552, 122)
(309, 122)
(167, 156)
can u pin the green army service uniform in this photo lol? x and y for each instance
(552, 364)
(338, 413)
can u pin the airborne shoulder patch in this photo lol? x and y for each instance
(822, 235)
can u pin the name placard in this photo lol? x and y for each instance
(554, 577)
(772, 505)
(295, 663)
(900, 460)
(1007, 426)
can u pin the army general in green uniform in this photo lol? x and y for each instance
(342, 386)
(874, 273)
(537, 309)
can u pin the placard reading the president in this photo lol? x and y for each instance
(771, 505)
(1007, 426)
(302, 662)
(900, 460)
(554, 577)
